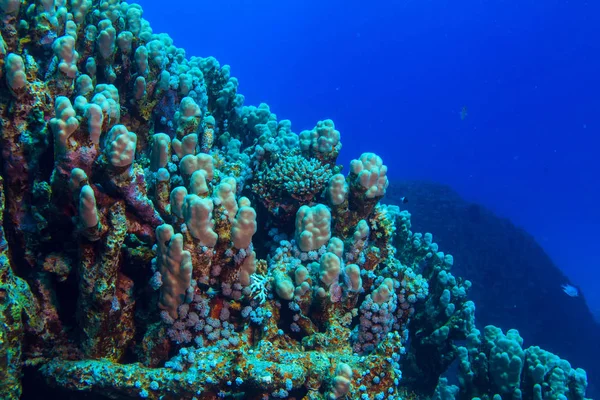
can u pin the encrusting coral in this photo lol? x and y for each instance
(162, 240)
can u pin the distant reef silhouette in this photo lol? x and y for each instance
(515, 283)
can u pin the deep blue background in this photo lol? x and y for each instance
(394, 76)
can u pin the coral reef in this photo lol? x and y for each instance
(493, 251)
(162, 240)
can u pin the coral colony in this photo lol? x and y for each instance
(162, 240)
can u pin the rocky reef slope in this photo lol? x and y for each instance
(515, 283)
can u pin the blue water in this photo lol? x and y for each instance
(395, 75)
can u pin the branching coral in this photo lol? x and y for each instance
(289, 182)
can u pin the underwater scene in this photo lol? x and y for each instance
(311, 200)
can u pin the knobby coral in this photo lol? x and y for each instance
(160, 239)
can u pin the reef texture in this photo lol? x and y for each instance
(162, 240)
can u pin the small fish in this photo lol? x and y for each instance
(463, 113)
(48, 39)
(404, 200)
(570, 290)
